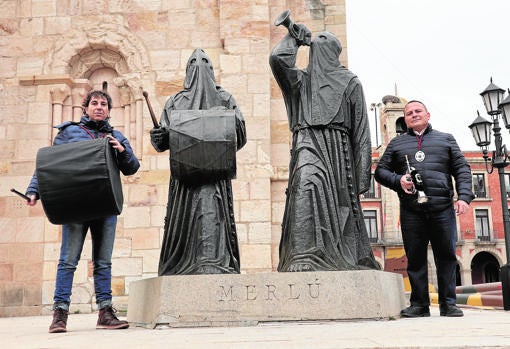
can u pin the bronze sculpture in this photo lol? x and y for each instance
(323, 226)
(200, 234)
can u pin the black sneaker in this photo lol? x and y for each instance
(415, 311)
(107, 320)
(59, 322)
(450, 310)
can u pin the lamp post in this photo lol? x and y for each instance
(495, 105)
(374, 106)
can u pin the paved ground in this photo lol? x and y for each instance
(479, 328)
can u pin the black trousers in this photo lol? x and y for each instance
(440, 229)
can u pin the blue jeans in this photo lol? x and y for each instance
(440, 229)
(102, 231)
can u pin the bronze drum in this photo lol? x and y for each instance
(79, 181)
(203, 145)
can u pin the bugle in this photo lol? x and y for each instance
(294, 31)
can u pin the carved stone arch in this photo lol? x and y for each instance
(86, 62)
(105, 39)
(495, 252)
(106, 43)
(485, 265)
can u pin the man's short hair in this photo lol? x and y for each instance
(417, 101)
(97, 93)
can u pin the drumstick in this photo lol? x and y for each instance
(153, 117)
(20, 194)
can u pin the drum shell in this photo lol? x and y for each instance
(79, 181)
(203, 145)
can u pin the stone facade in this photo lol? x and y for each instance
(54, 51)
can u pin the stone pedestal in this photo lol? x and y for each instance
(246, 299)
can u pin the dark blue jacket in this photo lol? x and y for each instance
(443, 160)
(86, 130)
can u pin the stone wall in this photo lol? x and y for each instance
(54, 51)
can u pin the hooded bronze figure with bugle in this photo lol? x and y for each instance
(323, 226)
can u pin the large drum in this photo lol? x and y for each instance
(79, 181)
(203, 145)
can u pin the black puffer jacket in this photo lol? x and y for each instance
(443, 160)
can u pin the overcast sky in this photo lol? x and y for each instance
(442, 52)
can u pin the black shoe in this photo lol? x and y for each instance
(59, 323)
(450, 310)
(108, 320)
(415, 311)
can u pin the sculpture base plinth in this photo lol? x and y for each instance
(246, 299)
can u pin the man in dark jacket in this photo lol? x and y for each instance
(419, 166)
(94, 124)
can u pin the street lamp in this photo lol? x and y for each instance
(495, 105)
(374, 106)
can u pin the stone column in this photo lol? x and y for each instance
(125, 102)
(138, 96)
(58, 95)
(80, 89)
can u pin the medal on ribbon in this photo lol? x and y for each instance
(419, 156)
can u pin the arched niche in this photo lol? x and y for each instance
(110, 39)
(98, 52)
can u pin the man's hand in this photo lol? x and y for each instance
(461, 207)
(407, 184)
(32, 201)
(116, 144)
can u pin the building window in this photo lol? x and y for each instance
(482, 225)
(507, 184)
(479, 185)
(373, 191)
(371, 224)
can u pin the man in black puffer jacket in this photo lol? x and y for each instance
(423, 161)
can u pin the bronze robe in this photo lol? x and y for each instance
(323, 226)
(200, 233)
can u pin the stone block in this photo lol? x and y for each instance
(247, 299)
(26, 272)
(277, 210)
(32, 294)
(260, 127)
(118, 286)
(144, 238)
(280, 154)
(28, 229)
(260, 189)
(230, 64)
(6, 272)
(150, 260)
(81, 274)
(82, 294)
(8, 228)
(257, 83)
(260, 233)
(255, 256)
(29, 66)
(255, 211)
(136, 217)
(49, 270)
(127, 266)
(261, 106)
